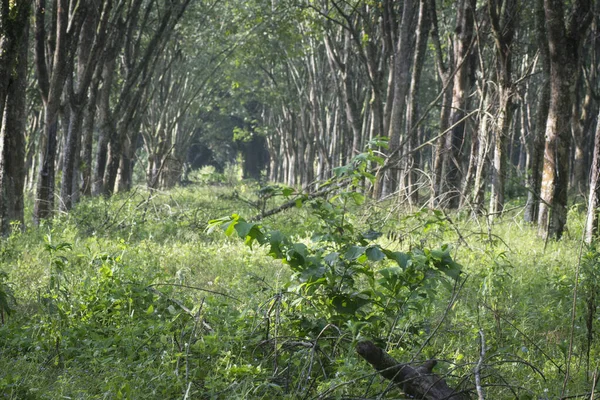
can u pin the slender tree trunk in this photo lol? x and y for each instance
(456, 138)
(108, 74)
(440, 152)
(402, 64)
(564, 43)
(534, 181)
(414, 161)
(591, 226)
(12, 134)
(88, 138)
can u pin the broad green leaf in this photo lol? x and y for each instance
(401, 258)
(354, 252)
(375, 254)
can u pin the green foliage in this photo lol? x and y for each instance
(134, 298)
(343, 276)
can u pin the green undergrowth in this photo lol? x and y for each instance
(140, 297)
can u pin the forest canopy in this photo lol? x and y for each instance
(481, 101)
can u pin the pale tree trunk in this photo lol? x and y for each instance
(414, 158)
(564, 42)
(534, 181)
(88, 136)
(456, 137)
(108, 73)
(401, 81)
(583, 116)
(591, 225)
(440, 151)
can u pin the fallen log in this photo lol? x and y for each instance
(419, 382)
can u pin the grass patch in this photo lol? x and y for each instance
(132, 298)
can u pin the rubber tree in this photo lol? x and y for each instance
(54, 62)
(564, 35)
(14, 35)
(90, 52)
(504, 16)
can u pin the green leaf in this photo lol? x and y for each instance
(401, 258)
(358, 198)
(371, 235)
(150, 309)
(332, 258)
(354, 252)
(375, 254)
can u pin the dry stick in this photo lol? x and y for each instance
(594, 377)
(187, 348)
(195, 288)
(478, 367)
(179, 303)
(573, 315)
(292, 203)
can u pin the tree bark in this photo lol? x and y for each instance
(504, 16)
(401, 66)
(564, 42)
(419, 383)
(52, 74)
(414, 160)
(534, 181)
(12, 132)
(591, 225)
(456, 137)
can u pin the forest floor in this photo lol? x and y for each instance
(134, 298)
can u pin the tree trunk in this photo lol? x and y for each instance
(401, 82)
(534, 181)
(591, 225)
(12, 133)
(564, 43)
(51, 81)
(108, 74)
(88, 138)
(456, 138)
(414, 160)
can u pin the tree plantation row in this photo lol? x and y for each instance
(480, 100)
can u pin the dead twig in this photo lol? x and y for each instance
(478, 367)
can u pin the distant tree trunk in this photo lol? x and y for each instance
(456, 137)
(14, 117)
(52, 72)
(401, 81)
(564, 43)
(441, 150)
(504, 15)
(108, 73)
(414, 160)
(591, 226)
(89, 54)
(88, 137)
(534, 181)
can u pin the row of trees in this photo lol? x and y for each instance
(480, 99)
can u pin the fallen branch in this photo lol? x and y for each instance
(292, 203)
(418, 382)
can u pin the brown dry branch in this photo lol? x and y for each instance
(418, 382)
